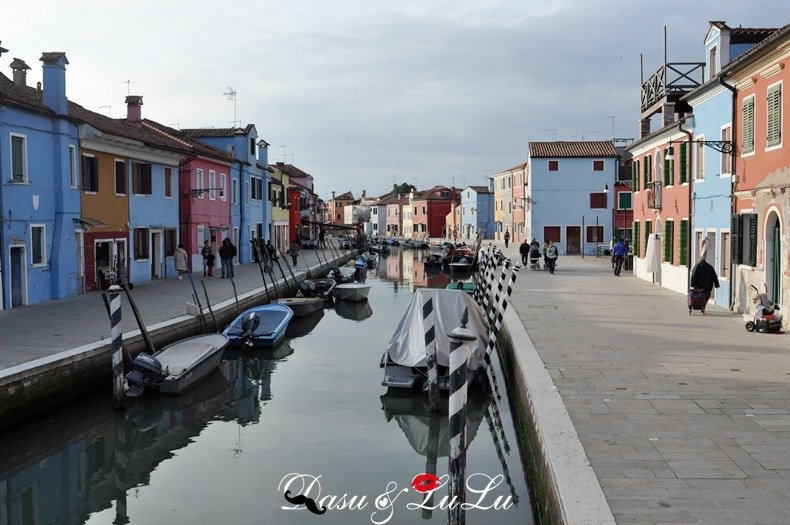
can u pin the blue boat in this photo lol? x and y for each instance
(259, 327)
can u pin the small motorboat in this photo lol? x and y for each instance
(462, 265)
(177, 367)
(393, 242)
(259, 327)
(302, 306)
(355, 311)
(467, 286)
(354, 292)
(345, 274)
(322, 288)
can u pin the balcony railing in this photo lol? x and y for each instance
(677, 78)
(654, 194)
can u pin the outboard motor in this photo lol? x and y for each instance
(307, 288)
(146, 372)
(360, 274)
(248, 327)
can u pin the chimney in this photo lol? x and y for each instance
(333, 195)
(134, 111)
(54, 96)
(363, 194)
(20, 75)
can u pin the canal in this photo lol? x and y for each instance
(310, 417)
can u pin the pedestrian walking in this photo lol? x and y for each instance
(210, 263)
(703, 276)
(295, 251)
(271, 251)
(181, 260)
(507, 238)
(204, 252)
(551, 256)
(321, 236)
(226, 254)
(523, 249)
(544, 248)
(619, 251)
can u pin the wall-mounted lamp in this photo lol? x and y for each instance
(722, 146)
(201, 191)
(606, 187)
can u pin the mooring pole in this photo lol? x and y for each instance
(208, 303)
(459, 356)
(117, 346)
(430, 351)
(431, 456)
(235, 295)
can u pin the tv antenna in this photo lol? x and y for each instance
(553, 132)
(611, 117)
(128, 86)
(109, 110)
(231, 94)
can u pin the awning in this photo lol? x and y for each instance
(88, 223)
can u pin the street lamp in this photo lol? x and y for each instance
(722, 146)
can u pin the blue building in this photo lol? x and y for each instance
(39, 195)
(477, 212)
(250, 206)
(567, 200)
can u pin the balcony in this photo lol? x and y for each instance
(654, 194)
(672, 81)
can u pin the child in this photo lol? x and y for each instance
(210, 263)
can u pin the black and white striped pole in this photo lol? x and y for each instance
(430, 351)
(117, 345)
(459, 357)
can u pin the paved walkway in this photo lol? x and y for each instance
(684, 419)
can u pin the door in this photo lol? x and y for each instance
(18, 276)
(156, 254)
(79, 237)
(573, 238)
(775, 263)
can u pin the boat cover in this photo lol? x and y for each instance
(407, 345)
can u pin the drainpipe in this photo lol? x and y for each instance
(732, 181)
(691, 211)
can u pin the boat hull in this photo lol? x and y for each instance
(302, 306)
(274, 321)
(354, 292)
(189, 361)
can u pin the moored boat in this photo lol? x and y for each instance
(467, 286)
(177, 367)
(322, 288)
(302, 306)
(354, 292)
(260, 326)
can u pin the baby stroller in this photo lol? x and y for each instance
(766, 317)
(534, 258)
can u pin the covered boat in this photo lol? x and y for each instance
(260, 326)
(405, 359)
(177, 367)
(302, 306)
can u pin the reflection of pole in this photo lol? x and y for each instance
(430, 351)
(459, 355)
(117, 345)
(120, 461)
(505, 469)
(431, 456)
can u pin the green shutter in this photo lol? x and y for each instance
(748, 125)
(667, 172)
(752, 240)
(774, 131)
(669, 239)
(683, 242)
(645, 171)
(635, 240)
(735, 238)
(635, 175)
(684, 163)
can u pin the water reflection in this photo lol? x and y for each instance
(355, 311)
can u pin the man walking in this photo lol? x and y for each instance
(507, 238)
(619, 251)
(523, 249)
(226, 254)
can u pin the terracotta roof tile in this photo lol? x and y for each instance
(563, 149)
(217, 132)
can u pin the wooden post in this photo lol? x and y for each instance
(208, 303)
(459, 356)
(118, 391)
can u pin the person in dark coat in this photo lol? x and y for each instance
(704, 276)
(524, 251)
(226, 254)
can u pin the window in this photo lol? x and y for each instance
(252, 146)
(423, 210)
(170, 242)
(235, 185)
(747, 146)
(598, 200)
(726, 158)
(338, 216)
(120, 177)
(73, 166)
(774, 117)
(743, 239)
(141, 243)
(624, 200)
(90, 174)
(669, 241)
(724, 271)
(223, 180)
(212, 184)
(18, 158)
(554, 165)
(713, 63)
(168, 182)
(683, 243)
(199, 185)
(552, 233)
(38, 252)
(597, 165)
(684, 162)
(700, 171)
(594, 233)
(247, 198)
(142, 179)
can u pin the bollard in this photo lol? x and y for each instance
(459, 356)
(117, 346)
(430, 351)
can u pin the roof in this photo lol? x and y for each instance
(766, 43)
(25, 97)
(218, 132)
(571, 149)
(522, 166)
(480, 189)
(744, 35)
(196, 146)
(345, 196)
(291, 170)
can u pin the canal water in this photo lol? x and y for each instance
(310, 418)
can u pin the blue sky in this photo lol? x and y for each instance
(361, 93)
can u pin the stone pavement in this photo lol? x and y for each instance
(684, 418)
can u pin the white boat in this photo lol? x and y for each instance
(354, 292)
(177, 367)
(302, 306)
(405, 359)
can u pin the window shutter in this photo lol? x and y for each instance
(637, 251)
(669, 240)
(667, 172)
(683, 242)
(748, 125)
(635, 175)
(735, 238)
(774, 131)
(648, 231)
(684, 163)
(752, 240)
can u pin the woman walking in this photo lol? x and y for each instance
(295, 251)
